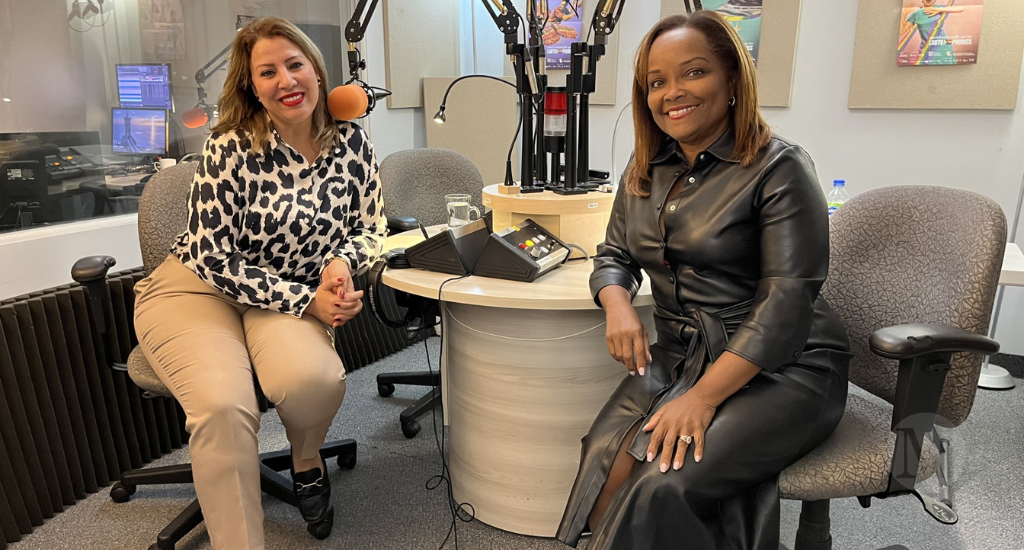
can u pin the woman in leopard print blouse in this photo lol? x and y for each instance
(284, 208)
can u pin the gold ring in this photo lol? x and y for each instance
(686, 439)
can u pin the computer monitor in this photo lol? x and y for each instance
(144, 85)
(139, 131)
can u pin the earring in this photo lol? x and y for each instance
(732, 101)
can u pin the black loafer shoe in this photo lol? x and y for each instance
(313, 491)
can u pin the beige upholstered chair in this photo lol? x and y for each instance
(901, 255)
(163, 213)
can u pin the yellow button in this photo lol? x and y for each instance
(529, 242)
(515, 228)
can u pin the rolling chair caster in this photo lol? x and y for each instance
(121, 493)
(410, 428)
(385, 390)
(347, 461)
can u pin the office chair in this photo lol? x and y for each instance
(163, 212)
(414, 183)
(924, 255)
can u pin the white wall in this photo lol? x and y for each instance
(390, 130)
(976, 150)
(982, 151)
(36, 259)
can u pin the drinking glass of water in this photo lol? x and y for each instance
(459, 210)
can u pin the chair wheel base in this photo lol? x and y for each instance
(322, 529)
(410, 429)
(347, 460)
(385, 390)
(121, 493)
(937, 509)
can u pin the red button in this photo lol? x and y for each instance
(522, 245)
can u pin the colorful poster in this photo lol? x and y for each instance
(942, 32)
(744, 16)
(564, 26)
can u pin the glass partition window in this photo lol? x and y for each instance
(93, 94)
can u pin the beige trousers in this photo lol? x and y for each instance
(205, 346)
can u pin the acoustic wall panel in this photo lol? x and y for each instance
(420, 39)
(992, 83)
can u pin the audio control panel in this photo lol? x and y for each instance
(536, 242)
(522, 252)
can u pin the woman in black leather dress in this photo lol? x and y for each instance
(749, 370)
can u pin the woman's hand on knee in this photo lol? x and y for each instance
(680, 423)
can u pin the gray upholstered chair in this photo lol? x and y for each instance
(414, 183)
(163, 213)
(902, 255)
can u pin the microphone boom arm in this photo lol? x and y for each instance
(507, 19)
(205, 71)
(354, 32)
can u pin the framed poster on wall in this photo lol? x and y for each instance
(933, 33)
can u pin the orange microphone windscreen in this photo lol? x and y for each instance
(194, 118)
(347, 102)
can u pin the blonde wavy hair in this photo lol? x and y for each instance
(238, 106)
(752, 132)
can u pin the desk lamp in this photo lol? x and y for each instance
(440, 118)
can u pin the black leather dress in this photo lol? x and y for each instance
(738, 267)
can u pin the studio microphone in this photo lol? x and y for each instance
(196, 117)
(354, 100)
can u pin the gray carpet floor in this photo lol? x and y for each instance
(383, 502)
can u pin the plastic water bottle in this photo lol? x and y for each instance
(837, 196)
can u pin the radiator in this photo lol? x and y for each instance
(70, 426)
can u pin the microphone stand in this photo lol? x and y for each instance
(573, 86)
(536, 50)
(578, 82)
(507, 19)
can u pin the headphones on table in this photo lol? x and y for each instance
(420, 313)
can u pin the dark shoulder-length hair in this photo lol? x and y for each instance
(241, 111)
(752, 132)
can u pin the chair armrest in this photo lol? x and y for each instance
(924, 352)
(398, 224)
(916, 339)
(91, 272)
(92, 268)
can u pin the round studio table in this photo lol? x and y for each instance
(524, 372)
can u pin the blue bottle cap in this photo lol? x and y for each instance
(839, 183)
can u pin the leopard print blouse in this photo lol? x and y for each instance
(262, 226)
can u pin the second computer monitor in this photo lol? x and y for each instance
(144, 85)
(139, 131)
